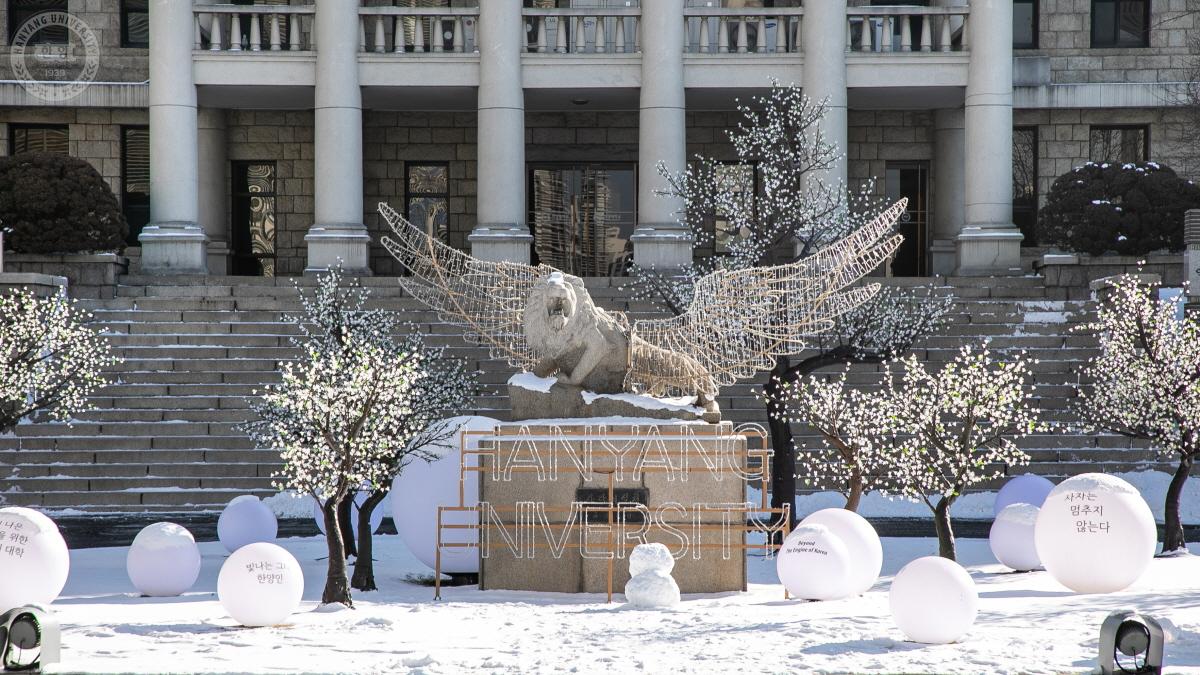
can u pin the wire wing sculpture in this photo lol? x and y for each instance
(739, 320)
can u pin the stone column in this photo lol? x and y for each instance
(949, 161)
(173, 243)
(660, 240)
(213, 143)
(501, 232)
(989, 242)
(337, 234)
(824, 41)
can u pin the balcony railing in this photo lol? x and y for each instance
(906, 29)
(418, 30)
(712, 30)
(583, 31)
(253, 28)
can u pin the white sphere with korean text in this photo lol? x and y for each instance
(163, 560)
(934, 601)
(260, 585)
(1095, 534)
(34, 561)
(860, 538)
(1011, 537)
(424, 486)
(815, 564)
(246, 520)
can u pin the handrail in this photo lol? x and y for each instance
(254, 9)
(743, 11)
(419, 11)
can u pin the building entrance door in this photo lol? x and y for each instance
(253, 219)
(582, 215)
(911, 180)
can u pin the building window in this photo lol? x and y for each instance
(582, 215)
(1120, 23)
(1025, 182)
(135, 179)
(38, 138)
(135, 23)
(741, 180)
(427, 196)
(20, 11)
(1025, 24)
(253, 219)
(1119, 144)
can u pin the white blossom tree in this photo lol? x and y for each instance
(1146, 383)
(790, 211)
(50, 361)
(954, 427)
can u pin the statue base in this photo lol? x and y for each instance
(540, 398)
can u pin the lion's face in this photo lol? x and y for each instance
(559, 300)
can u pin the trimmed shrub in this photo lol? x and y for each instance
(51, 203)
(1127, 209)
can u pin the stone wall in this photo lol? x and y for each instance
(103, 17)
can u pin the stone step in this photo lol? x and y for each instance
(155, 470)
(127, 500)
(242, 454)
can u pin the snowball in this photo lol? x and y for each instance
(934, 600)
(1095, 534)
(163, 560)
(650, 558)
(814, 564)
(652, 590)
(1011, 537)
(34, 561)
(1026, 489)
(424, 486)
(246, 520)
(861, 540)
(359, 497)
(260, 585)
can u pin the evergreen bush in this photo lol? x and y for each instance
(52, 203)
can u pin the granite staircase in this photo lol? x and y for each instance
(164, 437)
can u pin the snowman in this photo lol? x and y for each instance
(650, 584)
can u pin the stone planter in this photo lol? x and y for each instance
(89, 275)
(42, 285)
(1074, 272)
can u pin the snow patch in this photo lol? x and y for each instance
(644, 402)
(532, 382)
(289, 504)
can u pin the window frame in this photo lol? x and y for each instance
(1036, 176)
(125, 193)
(14, 26)
(1037, 24)
(15, 126)
(1144, 128)
(409, 194)
(1115, 42)
(124, 18)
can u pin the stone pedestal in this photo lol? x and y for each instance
(531, 488)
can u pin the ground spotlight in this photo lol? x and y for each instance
(1130, 643)
(29, 639)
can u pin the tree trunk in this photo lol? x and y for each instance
(945, 533)
(337, 588)
(1173, 528)
(855, 493)
(364, 567)
(783, 461)
(346, 522)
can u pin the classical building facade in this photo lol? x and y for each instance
(256, 138)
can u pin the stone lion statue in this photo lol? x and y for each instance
(544, 321)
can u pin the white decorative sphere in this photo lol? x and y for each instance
(653, 589)
(424, 486)
(860, 538)
(246, 520)
(163, 560)
(650, 558)
(1095, 534)
(1026, 489)
(1011, 537)
(359, 497)
(814, 564)
(934, 601)
(34, 561)
(260, 585)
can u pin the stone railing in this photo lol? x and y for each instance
(417, 30)
(582, 31)
(906, 29)
(714, 30)
(254, 28)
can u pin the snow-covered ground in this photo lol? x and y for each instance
(1027, 624)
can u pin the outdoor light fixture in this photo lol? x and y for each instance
(29, 639)
(1129, 635)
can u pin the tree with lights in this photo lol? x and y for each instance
(1146, 383)
(791, 214)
